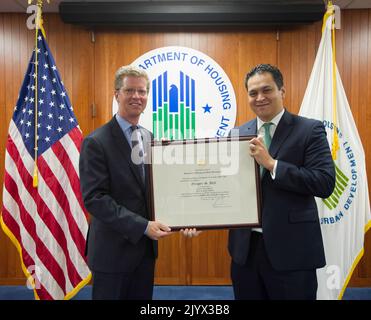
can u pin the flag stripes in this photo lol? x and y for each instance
(47, 223)
(46, 231)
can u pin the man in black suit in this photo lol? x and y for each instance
(121, 246)
(279, 260)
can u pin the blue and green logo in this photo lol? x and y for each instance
(174, 107)
(190, 97)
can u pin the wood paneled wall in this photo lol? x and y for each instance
(87, 69)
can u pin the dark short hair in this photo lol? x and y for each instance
(262, 68)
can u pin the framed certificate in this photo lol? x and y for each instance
(205, 184)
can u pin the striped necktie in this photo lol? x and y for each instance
(135, 143)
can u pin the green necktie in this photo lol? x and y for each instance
(267, 134)
(267, 142)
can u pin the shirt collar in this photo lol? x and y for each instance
(124, 124)
(275, 120)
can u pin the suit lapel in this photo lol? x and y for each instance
(125, 149)
(249, 129)
(283, 130)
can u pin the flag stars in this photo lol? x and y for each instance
(53, 118)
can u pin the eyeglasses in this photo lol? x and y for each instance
(131, 92)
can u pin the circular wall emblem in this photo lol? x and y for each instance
(190, 96)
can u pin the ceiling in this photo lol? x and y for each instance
(21, 5)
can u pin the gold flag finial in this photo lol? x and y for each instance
(38, 2)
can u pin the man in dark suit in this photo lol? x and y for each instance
(122, 245)
(279, 260)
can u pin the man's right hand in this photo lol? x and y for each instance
(157, 230)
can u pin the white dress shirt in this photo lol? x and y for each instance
(272, 130)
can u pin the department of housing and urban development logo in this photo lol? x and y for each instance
(190, 96)
(339, 204)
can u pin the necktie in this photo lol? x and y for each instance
(267, 134)
(267, 142)
(137, 147)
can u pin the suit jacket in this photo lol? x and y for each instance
(290, 222)
(117, 199)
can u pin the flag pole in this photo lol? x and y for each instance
(335, 141)
(35, 171)
(38, 26)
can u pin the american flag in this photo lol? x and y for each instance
(48, 223)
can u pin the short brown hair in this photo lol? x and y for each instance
(129, 70)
